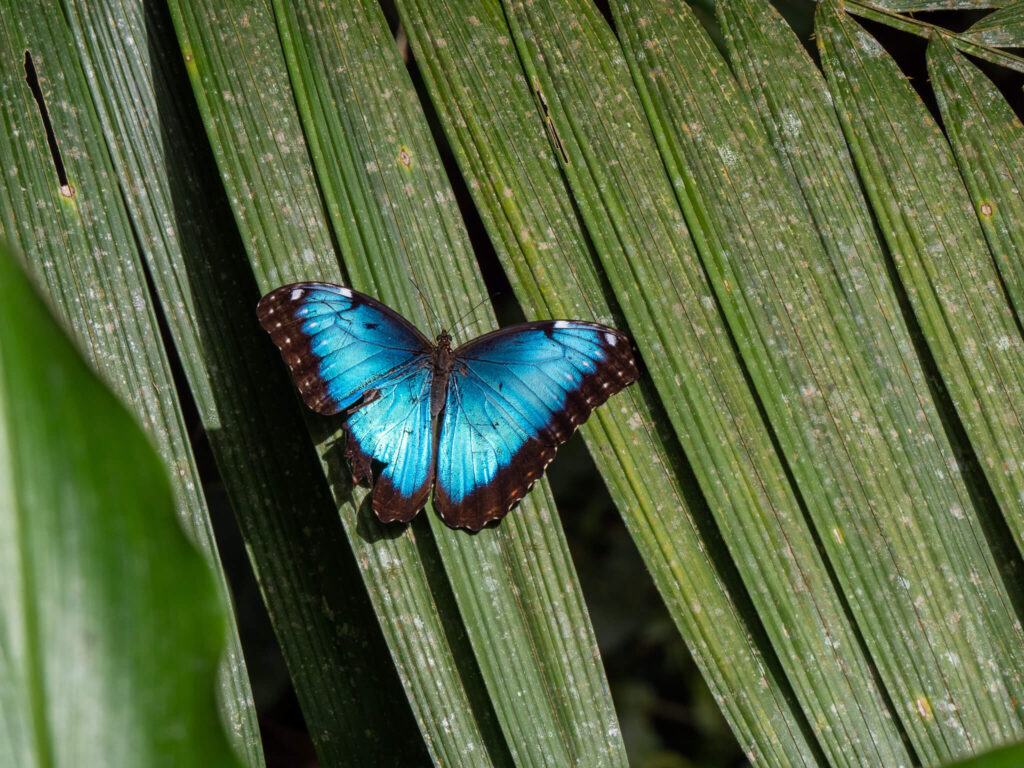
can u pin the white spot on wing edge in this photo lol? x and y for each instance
(297, 294)
(561, 324)
(611, 338)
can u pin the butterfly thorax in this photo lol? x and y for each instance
(444, 357)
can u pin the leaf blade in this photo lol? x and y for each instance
(986, 138)
(114, 659)
(818, 352)
(327, 632)
(394, 210)
(84, 252)
(944, 265)
(646, 253)
(1003, 28)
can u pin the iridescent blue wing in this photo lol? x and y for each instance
(394, 429)
(514, 396)
(348, 352)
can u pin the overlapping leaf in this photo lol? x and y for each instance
(1003, 28)
(393, 209)
(110, 624)
(988, 141)
(395, 572)
(938, 246)
(500, 144)
(254, 130)
(944, 265)
(631, 184)
(65, 213)
(327, 631)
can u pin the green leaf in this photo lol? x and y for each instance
(965, 41)
(110, 624)
(1003, 757)
(79, 244)
(496, 128)
(824, 349)
(587, 100)
(909, 6)
(938, 247)
(988, 141)
(328, 634)
(798, 111)
(1003, 28)
(254, 158)
(944, 265)
(394, 213)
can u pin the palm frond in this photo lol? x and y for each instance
(820, 468)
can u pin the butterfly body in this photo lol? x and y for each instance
(477, 423)
(444, 362)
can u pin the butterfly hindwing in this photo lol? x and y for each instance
(348, 352)
(514, 396)
(395, 430)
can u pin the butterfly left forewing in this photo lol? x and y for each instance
(338, 343)
(514, 396)
(350, 353)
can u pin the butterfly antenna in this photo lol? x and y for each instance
(476, 306)
(430, 307)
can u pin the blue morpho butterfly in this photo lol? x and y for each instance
(479, 423)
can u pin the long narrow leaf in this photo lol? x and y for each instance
(110, 624)
(394, 210)
(251, 120)
(610, 158)
(521, 196)
(66, 214)
(827, 359)
(806, 130)
(944, 265)
(909, 6)
(326, 629)
(988, 141)
(1003, 28)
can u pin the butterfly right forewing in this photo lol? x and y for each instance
(514, 396)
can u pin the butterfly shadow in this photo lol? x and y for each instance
(339, 475)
